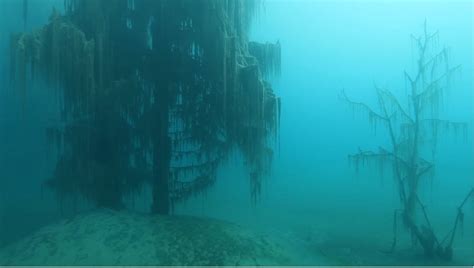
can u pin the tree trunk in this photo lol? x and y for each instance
(411, 201)
(161, 194)
(109, 195)
(425, 236)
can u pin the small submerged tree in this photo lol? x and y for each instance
(157, 91)
(410, 130)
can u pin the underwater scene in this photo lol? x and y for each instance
(236, 132)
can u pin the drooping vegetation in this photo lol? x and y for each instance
(157, 91)
(413, 129)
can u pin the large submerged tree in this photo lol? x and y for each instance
(412, 132)
(156, 91)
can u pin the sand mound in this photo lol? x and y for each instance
(124, 238)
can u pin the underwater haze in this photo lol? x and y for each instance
(357, 161)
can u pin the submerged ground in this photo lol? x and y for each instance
(106, 237)
(123, 238)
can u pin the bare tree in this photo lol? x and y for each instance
(411, 129)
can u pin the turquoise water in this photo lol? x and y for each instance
(314, 202)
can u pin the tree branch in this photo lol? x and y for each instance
(432, 88)
(364, 106)
(394, 101)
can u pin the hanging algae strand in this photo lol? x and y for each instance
(25, 13)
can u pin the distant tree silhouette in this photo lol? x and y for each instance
(410, 129)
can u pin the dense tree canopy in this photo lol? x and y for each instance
(152, 90)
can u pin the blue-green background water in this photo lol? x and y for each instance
(312, 192)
